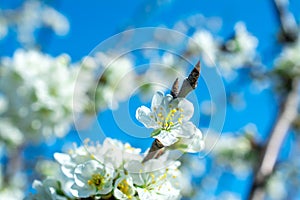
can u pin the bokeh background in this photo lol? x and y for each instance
(253, 45)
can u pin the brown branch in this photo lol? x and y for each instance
(155, 150)
(175, 91)
(189, 84)
(288, 24)
(270, 151)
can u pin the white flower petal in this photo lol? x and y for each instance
(166, 138)
(187, 109)
(129, 191)
(84, 172)
(62, 158)
(134, 168)
(143, 114)
(192, 144)
(166, 101)
(157, 99)
(188, 130)
(197, 143)
(82, 192)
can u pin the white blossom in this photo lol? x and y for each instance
(32, 15)
(94, 171)
(169, 117)
(46, 190)
(124, 189)
(115, 76)
(117, 153)
(155, 180)
(234, 151)
(112, 151)
(69, 161)
(160, 74)
(9, 133)
(203, 42)
(241, 49)
(289, 59)
(92, 178)
(192, 144)
(39, 89)
(276, 188)
(11, 193)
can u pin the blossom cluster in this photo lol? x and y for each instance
(117, 170)
(32, 15)
(288, 61)
(230, 54)
(33, 104)
(111, 170)
(235, 151)
(111, 75)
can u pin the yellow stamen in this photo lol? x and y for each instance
(124, 187)
(97, 180)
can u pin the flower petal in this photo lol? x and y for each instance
(83, 192)
(166, 100)
(84, 172)
(193, 144)
(143, 114)
(135, 168)
(157, 99)
(188, 130)
(166, 138)
(187, 108)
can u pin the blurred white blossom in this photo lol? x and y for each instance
(160, 74)
(32, 15)
(114, 79)
(276, 188)
(39, 89)
(11, 193)
(11, 185)
(234, 53)
(48, 189)
(203, 42)
(288, 61)
(240, 50)
(234, 151)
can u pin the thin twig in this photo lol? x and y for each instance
(155, 150)
(271, 150)
(189, 84)
(175, 89)
(288, 24)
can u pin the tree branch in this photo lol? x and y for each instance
(271, 150)
(288, 24)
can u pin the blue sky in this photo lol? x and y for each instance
(93, 21)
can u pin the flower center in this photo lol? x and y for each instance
(97, 180)
(124, 187)
(168, 122)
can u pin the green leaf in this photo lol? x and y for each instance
(155, 132)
